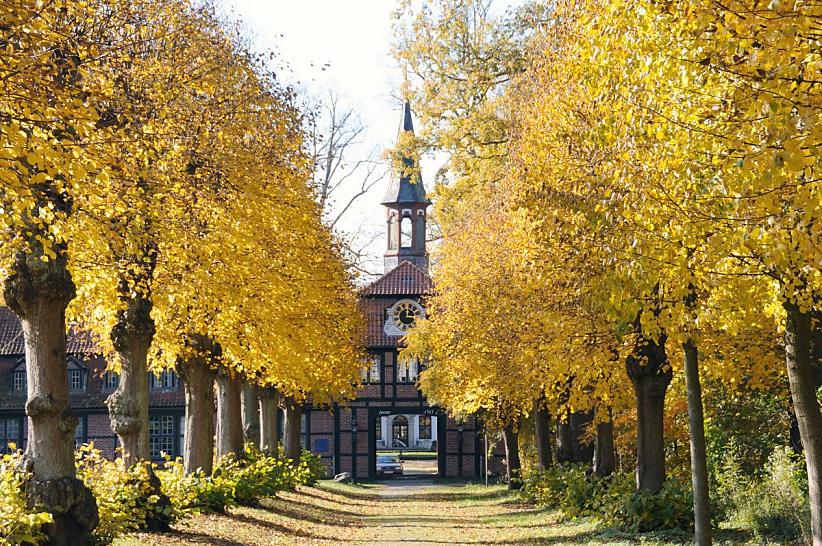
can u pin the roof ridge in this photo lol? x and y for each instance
(420, 281)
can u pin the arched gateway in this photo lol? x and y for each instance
(390, 413)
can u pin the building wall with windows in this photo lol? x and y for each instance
(89, 385)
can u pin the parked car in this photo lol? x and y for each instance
(389, 464)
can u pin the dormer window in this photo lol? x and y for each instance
(166, 379)
(18, 380)
(111, 380)
(76, 376)
(75, 380)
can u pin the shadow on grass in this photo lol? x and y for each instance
(306, 511)
(200, 538)
(277, 527)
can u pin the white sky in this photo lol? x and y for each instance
(342, 45)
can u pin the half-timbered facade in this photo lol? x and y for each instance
(89, 386)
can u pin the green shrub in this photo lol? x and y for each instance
(236, 481)
(642, 511)
(613, 500)
(568, 487)
(313, 464)
(776, 505)
(124, 496)
(18, 524)
(195, 492)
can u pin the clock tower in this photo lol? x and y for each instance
(406, 208)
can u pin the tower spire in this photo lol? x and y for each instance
(406, 204)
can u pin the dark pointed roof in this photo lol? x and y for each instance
(404, 280)
(401, 188)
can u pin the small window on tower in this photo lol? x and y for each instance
(405, 233)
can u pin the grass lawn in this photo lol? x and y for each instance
(402, 512)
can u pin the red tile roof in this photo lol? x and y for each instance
(11, 337)
(404, 280)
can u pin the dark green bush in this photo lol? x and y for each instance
(613, 500)
(642, 511)
(775, 505)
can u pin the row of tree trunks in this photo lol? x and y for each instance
(229, 415)
(604, 449)
(38, 292)
(269, 420)
(513, 464)
(542, 434)
(293, 428)
(570, 446)
(251, 414)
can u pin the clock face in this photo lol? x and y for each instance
(405, 313)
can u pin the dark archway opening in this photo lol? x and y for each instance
(406, 443)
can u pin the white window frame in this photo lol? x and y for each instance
(408, 370)
(111, 380)
(165, 380)
(370, 371)
(18, 380)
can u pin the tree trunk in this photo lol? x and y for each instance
(565, 448)
(803, 381)
(229, 416)
(269, 420)
(38, 292)
(699, 459)
(293, 426)
(604, 449)
(513, 465)
(542, 434)
(128, 405)
(251, 414)
(198, 380)
(582, 451)
(650, 372)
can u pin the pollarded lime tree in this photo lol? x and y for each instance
(678, 156)
(45, 164)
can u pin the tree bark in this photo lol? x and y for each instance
(229, 416)
(293, 426)
(582, 451)
(604, 449)
(803, 382)
(38, 292)
(128, 405)
(565, 448)
(650, 373)
(699, 459)
(542, 434)
(198, 380)
(513, 465)
(251, 414)
(269, 420)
